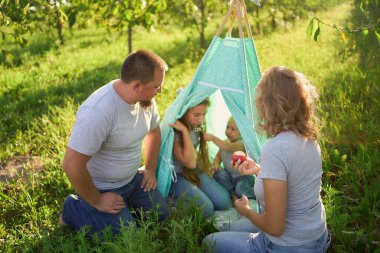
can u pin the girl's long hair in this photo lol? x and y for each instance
(203, 162)
(285, 102)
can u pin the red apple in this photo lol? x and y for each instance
(238, 155)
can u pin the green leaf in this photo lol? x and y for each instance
(310, 28)
(24, 41)
(21, 41)
(3, 51)
(26, 9)
(362, 6)
(377, 35)
(317, 33)
(365, 32)
(347, 30)
(344, 36)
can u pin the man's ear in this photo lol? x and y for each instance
(136, 85)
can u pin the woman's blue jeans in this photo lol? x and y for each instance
(225, 242)
(210, 195)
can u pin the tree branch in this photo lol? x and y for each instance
(347, 29)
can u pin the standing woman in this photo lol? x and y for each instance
(289, 182)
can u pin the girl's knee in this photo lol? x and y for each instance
(223, 202)
(207, 207)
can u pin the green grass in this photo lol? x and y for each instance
(40, 94)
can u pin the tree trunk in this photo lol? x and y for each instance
(129, 38)
(203, 22)
(273, 22)
(258, 28)
(59, 27)
(202, 38)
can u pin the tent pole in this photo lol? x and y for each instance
(231, 24)
(238, 10)
(224, 21)
(247, 25)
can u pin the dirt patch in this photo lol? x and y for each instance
(20, 166)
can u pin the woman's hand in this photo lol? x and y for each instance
(249, 167)
(242, 205)
(179, 126)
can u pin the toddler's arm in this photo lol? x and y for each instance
(224, 145)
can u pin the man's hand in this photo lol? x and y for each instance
(149, 181)
(242, 205)
(110, 202)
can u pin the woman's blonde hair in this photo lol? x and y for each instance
(285, 102)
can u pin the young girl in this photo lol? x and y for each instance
(289, 181)
(192, 166)
(229, 177)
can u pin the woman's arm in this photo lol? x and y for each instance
(248, 167)
(184, 152)
(224, 145)
(273, 220)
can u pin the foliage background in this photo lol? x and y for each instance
(56, 53)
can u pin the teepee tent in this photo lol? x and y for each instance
(228, 73)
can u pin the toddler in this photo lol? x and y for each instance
(229, 177)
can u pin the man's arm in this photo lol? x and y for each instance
(74, 165)
(152, 143)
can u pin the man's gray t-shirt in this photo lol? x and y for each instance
(111, 131)
(292, 158)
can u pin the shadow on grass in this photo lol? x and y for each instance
(21, 107)
(40, 44)
(36, 48)
(350, 110)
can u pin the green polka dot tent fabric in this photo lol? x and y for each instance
(228, 74)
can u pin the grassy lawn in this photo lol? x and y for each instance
(39, 98)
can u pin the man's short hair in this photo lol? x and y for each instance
(140, 65)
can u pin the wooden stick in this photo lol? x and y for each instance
(224, 21)
(238, 10)
(247, 25)
(232, 23)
